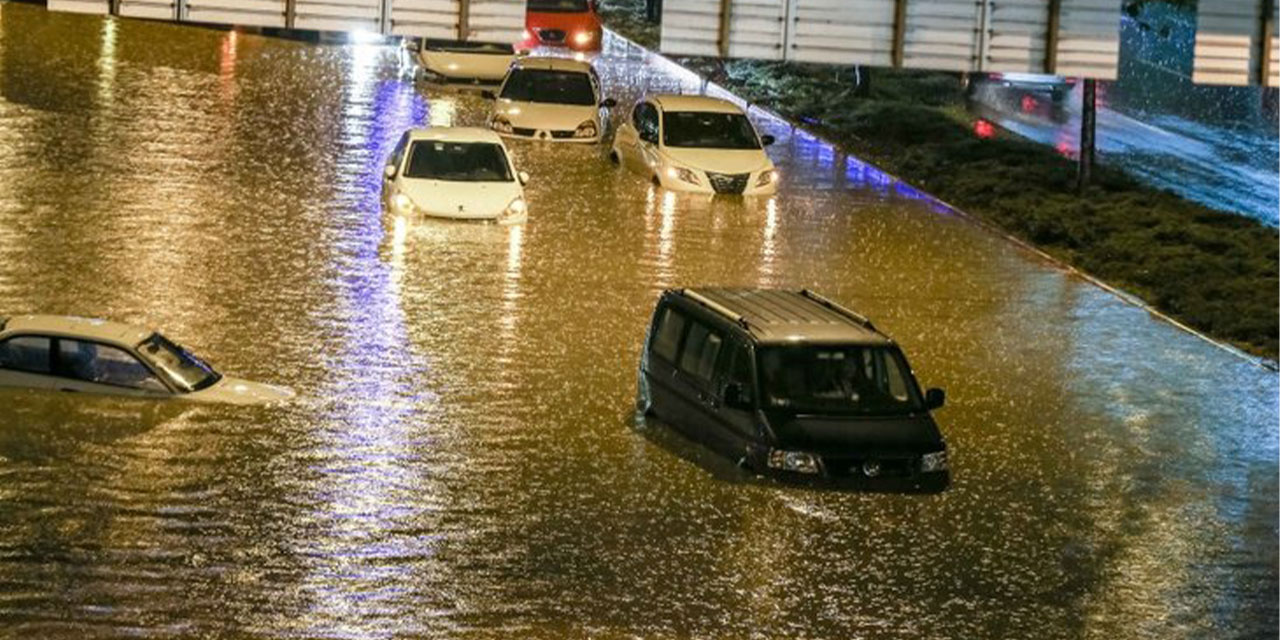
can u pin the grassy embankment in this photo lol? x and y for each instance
(1213, 271)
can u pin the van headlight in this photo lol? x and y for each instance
(501, 125)
(767, 178)
(682, 174)
(936, 461)
(587, 129)
(403, 203)
(797, 461)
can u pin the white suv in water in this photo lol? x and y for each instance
(63, 353)
(550, 99)
(697, 144)
(463, 173)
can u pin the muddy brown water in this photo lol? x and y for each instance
(461, 461)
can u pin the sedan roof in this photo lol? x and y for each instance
(672, 102)
(72, 326)
(455, 134)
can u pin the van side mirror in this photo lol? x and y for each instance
(523, 176)
(934, 398)
(608, 103)
(488, 95)
(389, 171)
(767, 140)
(735, 396)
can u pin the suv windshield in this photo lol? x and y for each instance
(708, 130)
(458, 161)
(866, 380)
(545, 85)
(558, 6)
(187, 372)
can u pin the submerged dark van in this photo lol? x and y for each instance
(790, 384)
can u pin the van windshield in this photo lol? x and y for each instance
(864, 380)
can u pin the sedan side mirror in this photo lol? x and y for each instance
(608, 103)
(523, 176)
(767, 140)
(488, 95)
(735, 396)
(934, 398)
(389, 171)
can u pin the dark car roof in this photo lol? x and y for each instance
(773, 316)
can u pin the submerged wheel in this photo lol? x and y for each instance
(613, 157)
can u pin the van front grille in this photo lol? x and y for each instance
(551, 35)
(730, 183)
(881, 467)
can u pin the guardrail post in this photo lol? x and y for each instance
(464, 20)
(1051, 37)
(1261, 69)
(726, 8)
(1088, 131)
(290, 13)
(899, 33)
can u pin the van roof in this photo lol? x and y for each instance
(775, 316)
(90, 328)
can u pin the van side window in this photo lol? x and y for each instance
(102, 364)
(701, 349)
(670, 328)
(25, 353)
(740, 370)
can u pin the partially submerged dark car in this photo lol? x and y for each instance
(791, 385)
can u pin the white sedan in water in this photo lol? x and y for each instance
(696, 144)
(448, 61)
(550, 99)
(63, 353)
(463, 173)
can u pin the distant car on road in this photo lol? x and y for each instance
(454, 62)
(463, 173)
(563, 23)
(552, 99)
(791, 385)
(70, 354)
(697, 144)
(1057, 88)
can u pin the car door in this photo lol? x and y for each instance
(26, 361)
(93, 367)
(695, 383)
(736, 421)
(670, 325)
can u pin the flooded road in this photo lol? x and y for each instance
(462, 460)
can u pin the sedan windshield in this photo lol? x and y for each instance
(700, 129)
(187, 372)
(458, 162)
(867, 380)
(545, 85)
(558, 6)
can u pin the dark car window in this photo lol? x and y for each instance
(646, 121)
(666, 340)
(25, 353)
(458, 161)
(740, 370)
(870, 380)
(701, 349)
(185, 370)
(558, 6)
(103, 364)
(545, 85)
(704, 130)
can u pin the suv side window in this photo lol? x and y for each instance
(666, 340)
(646, 120)
(701, 349)
(398, 154)
(29, 354)
(102, 364)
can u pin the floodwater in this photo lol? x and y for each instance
(462, 461)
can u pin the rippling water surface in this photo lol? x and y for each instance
(462, 460)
